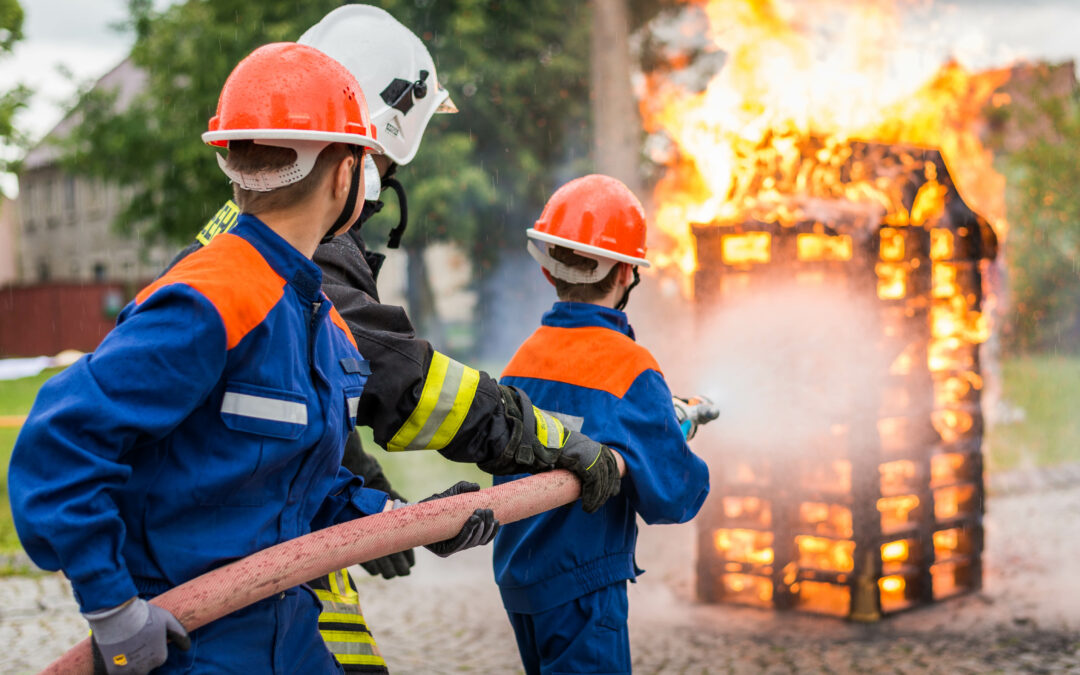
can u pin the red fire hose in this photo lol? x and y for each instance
(239, 584)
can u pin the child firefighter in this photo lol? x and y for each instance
(562, 574)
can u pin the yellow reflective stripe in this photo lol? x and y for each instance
(541, 427)
(594, 460)
(447, 396)
(546, 426)
(348, 636)
(342, 617)
(466, 392)
(561, 430)
(360, 659)
(223, 221)
(334, 588)
(429, 397)
(331, 597)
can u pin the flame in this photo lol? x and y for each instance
(946, 543)
(895, 511)
(825, 554)
(948, 468)
(831, 70)
(894, 551)
(742, 545)
(951, 502)
(748, 588)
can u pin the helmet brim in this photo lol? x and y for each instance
(222, 138)
(597, 251)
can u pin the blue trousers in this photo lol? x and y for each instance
(586, 635)
(278, 635)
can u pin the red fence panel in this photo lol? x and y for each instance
(43, 319)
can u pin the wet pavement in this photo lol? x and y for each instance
(446, 617)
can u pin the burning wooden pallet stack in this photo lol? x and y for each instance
(884, 512)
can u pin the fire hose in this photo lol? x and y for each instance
(217, 593)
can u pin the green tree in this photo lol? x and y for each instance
(11, 21)
(1043, 244)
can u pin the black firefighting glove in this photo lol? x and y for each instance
(478, 530)
(594, 465)
(367, 467)
(133, 637)
(541, 442)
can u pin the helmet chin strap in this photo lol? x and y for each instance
(621, 305)
(350, 201)
(371, 207)
(403, 208)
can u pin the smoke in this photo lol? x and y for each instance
(796, 369)
(790, 367)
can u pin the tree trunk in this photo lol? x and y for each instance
(421, 298)
(616, 126)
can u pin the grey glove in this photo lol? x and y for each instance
(694, 412)
(478, 530)
(132, 639)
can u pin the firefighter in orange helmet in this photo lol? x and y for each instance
(209, 424)
(562, 574)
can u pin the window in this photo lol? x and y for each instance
(69, 194)
(29, 206)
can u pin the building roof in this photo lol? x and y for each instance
(126, 79)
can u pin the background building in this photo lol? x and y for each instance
(65, 230)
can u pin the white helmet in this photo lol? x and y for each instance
(394, 70)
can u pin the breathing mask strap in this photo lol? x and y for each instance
(350, 201)
(626, 294)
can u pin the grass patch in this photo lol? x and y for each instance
(421, 473)
(1047, 391)
(16, 398)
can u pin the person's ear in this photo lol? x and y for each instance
(343, 176)
(626, 274)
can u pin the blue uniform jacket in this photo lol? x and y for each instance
(583, 363)
(209, 424)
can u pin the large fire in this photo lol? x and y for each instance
(834, 70)
(813, 152)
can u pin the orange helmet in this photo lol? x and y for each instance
(596, 216)
(293, 96)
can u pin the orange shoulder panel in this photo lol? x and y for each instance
(234, 277)
(592, 357)
(340, 323)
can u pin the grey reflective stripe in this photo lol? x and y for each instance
(571, 422)
(447, 395)
(354, 405)
(337, 648)
(263, 408)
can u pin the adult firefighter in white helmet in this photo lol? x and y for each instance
(416, 398)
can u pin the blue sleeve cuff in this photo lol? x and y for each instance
(369, 501)
(104, 592)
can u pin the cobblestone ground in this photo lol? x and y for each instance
(446, 617)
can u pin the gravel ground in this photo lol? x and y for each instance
(446, 617)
